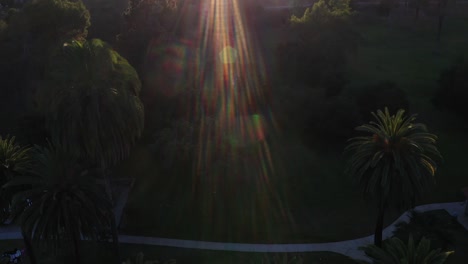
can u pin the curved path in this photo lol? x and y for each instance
(349, 247)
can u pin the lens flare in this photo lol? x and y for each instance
(236, 175)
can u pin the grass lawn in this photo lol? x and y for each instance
(307, 198)
(103, 254)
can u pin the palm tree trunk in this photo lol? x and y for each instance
(29, 248)
(76, 244)
(115, 237)
(379, 225)
(439, 27)
(115, 234)
(441, 10)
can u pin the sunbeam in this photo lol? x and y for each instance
(235, 138)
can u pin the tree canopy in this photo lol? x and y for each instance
(91, 103)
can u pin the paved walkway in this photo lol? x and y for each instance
(348, 247)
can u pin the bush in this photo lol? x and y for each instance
(434, 225)
(381, 95)
(452, 92)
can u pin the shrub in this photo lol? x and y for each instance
(396, 251)
(434, 225)
(381, 95)
(452, 92)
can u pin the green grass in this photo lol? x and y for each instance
(308, 199)
(414, 62)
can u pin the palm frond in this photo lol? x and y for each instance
(13, 157)
(396, 251)
(398, 157)
(65, 202)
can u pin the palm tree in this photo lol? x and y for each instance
(66, 203)
(395, 164)
(396, 251)
(91, 105)
(14, 160)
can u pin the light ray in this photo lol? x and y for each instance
(236, 125)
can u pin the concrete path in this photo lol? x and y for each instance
(349, 247)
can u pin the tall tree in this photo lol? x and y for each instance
(441, 13)
(32, 33)
(91, 102)
(65, 203)
(91, 105)
(395, 164)
(418, 5)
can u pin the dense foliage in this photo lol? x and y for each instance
(91, 103)
(66, 202)
(15, 160)
(57, 19)
(33, 32)
(145, 20)
(322, 39)
(436, 226)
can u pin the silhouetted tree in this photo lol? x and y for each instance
(418, 5)
(441, 13)
(395, 164)
(91, 105)
(66, 203)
